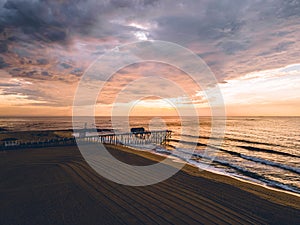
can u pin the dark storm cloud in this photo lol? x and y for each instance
(65, 66)
(32, 75)
(42, 61)
(178, 21)
(231, 26)
(44, 20)
(77, 72)
(3, 64)
(231, 47)
(3, 47)
(283, 46)
(21, 52)
(9, 85)
(289, 8)
(203, 20)
(280, 47)
(56, 20)
(45, 73)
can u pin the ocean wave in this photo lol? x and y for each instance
(251, 148)
(261, 161)
(270, 163)
(187, 142)
(250, 158)
(259, 177)
(232, 139)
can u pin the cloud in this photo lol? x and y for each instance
(149, 81)
(8, 85)
(3, 47)
(55, 41)
(42, 61)
(264, 87)
(229, 29)
(3, 64)
(44, 20)
(20, 91)
(56, 20)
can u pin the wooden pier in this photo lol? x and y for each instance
(159, 137)
(138, 138)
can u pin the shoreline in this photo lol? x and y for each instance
(55, 184)
(234, 176)
(65, 137)
(222, 177)
(136, 150)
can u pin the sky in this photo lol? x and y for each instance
(251, 46)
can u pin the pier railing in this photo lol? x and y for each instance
(11, 145)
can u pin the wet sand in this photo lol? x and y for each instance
(56, 186)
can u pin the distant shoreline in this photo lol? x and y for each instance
(150, 116)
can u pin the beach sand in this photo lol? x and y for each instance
(56, 186)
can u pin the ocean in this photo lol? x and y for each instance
(265, 150)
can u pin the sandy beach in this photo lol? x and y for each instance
(56, 186)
